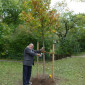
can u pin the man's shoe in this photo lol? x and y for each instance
(30, 83)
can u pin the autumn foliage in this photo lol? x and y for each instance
(39, 10)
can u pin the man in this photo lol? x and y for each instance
(28, 61)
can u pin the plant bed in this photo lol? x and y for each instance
(42, 81)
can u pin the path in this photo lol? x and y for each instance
(10, 60)
(80, 56)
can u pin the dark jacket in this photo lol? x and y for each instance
(29, 56)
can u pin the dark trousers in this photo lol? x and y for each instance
(26, 74)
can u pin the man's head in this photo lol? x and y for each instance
(31, 46)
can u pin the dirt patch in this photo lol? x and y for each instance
(41, 81)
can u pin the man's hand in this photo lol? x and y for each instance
(38, 54)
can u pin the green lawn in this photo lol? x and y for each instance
(69, 71)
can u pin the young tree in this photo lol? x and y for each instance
(40, 18)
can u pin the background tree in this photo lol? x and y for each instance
(69, 31)
(10, 10)
(4, 36)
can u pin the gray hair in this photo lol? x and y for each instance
(31, 44)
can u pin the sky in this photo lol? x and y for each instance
(77, 7)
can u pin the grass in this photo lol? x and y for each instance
(71, 71)
(68, 71)
(10, 73)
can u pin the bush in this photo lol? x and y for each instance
(67, 46)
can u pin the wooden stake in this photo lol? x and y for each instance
(37, 60)
(53, 64)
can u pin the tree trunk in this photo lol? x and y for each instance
(44, 48)
(43, 57)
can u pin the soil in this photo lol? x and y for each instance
(41, 81)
